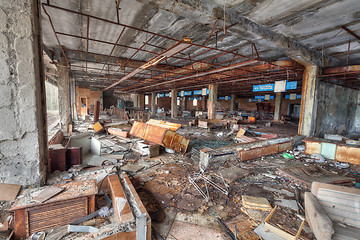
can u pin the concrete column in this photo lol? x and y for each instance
(203, 103)
(174, 109)
(277, 111)
(65, 111)
(183, 104)
(23, 130)
(153, 105)
(212, 100)
(233, 102)
(141, 103)
(308, 101)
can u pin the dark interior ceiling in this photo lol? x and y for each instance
(237, 43)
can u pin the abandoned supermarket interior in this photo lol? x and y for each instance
(180, 119)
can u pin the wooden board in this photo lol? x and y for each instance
(122, 209)
(48, 193)
(340, 203)
(9, 191)
(72, 190)
(312, 147)
(258, 203)
(168, 125)
(348, 154)
(313, 173)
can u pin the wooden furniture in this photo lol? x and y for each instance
(76, 201)
(57, 158)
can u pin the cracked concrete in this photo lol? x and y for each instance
(21, 126)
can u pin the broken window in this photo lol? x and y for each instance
(195, 102)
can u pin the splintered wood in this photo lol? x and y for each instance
(258, 203)
(121, 206)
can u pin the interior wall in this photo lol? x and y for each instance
(337, 110)
(91, 95)
(52, 101)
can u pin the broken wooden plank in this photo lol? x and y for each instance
(9, 191)
(122, 209)
(340, 203)
(48, 193)
(258, 203)
(318, 219)
(279, 231)
(119, 132)
(161, 136)
(313, 173)
(168, 125)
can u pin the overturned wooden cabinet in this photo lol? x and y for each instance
(76, 201)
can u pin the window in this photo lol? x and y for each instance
(195, 102)
(146, 99)
(178, 102)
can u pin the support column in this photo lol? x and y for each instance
(174, 109)
(153, 105)
(65, 111)
(212, 100)
(233, 102)
(141, 102)
(23, 128)
(183, 104)
(277, 111)
(308, 101)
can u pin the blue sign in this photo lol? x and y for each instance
(160, 95)
(186, 93)
(291, 85)
(264, 87)
(167, 94)
(197, 92)
(224, 98)
(254, 100)
(195, 98)
(263, 97)
(298, 96)
(271, 87)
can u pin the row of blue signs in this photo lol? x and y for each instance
(262, 98)
(271, 87)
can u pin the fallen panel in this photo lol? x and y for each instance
(119, 132)
(161, 136)
(9, 191)
(168, 125)
(313, 173)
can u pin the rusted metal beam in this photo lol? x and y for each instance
(351, 32)
(342, 69)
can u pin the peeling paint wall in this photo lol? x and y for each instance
(23, 144)
(337, 111)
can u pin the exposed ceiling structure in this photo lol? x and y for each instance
(157, 45)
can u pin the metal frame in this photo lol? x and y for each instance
(178, 73)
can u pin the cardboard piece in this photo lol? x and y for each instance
(9, 191)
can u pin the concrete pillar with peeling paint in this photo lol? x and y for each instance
(153, 105)
(183, 104)
(65, 108)
(212, 100)
(233, 102)
(141, 103)
(309, 101)
(278, 102)
(174, 110)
